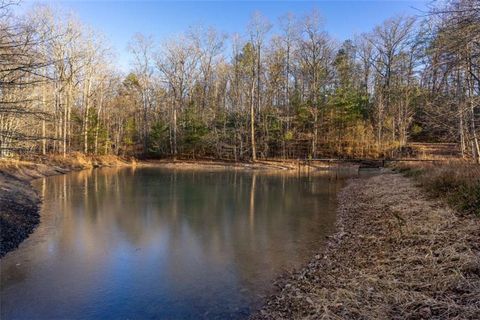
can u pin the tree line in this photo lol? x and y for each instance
(291, 91)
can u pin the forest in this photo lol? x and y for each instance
(283, 89)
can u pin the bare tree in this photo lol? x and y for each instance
(315, 56)
(389, 40)
(142, 48)
(258, 27)
(177, 64)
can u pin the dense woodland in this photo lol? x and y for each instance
(287, 90)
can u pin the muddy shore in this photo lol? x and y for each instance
(18, 212)
(396, 254)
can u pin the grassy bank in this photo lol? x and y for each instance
(32, 167)
(397, 254)
(458, 183)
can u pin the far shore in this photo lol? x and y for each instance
(261, 165)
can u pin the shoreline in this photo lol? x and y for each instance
(396, 253)
(260, 165)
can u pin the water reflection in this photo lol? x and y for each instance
(153, 243)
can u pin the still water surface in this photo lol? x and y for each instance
(151, 243)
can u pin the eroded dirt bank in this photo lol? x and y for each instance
(18, 212)
(19, 202)
(396, 255)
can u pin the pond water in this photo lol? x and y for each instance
(151, 243)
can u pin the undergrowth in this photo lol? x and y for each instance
(458, 183)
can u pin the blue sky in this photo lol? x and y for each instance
(120, 20)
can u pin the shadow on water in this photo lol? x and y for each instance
(158, 243)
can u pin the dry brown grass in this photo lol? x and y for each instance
(457, 182)
(397, 255)
(79, 160)
(36, 166)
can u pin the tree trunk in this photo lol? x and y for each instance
(315, 133)
(86, 121)
(97, 125)
(174, 133)
(44, 140)
(252, 122)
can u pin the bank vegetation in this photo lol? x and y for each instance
(457, 183)
(398, 253)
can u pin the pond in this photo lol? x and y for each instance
(153, 243)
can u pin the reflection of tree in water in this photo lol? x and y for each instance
(242, 226)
